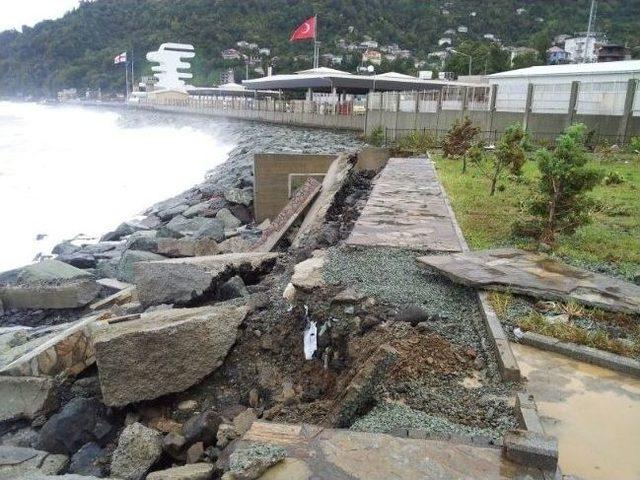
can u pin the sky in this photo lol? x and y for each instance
(15, 13)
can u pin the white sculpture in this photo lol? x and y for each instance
(170, 56)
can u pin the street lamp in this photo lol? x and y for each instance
(466, 55)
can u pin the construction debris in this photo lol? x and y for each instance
(186, 280)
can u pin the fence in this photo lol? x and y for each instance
(610, 109)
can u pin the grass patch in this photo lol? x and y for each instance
(500, 301)
(566, 332)
(613, 236)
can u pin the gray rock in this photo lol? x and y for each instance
(145, 241)
(129, 259)
(235, 245)
(242, 196)
(65, 248)
(233, 288)
(26, 437)
(226, 217)
(49, 284)
(162, 351)
(186, 247)
(202, 428)
(182, 281)
(78, 259)
(174, 444)
(213, 229)
(194, 471)
(169, 213)
(182, 226)
(197, 210)
(124, 229)
(242, 213)
(138, 449)
(251, 461)
(26, 397)
(89, 460)
(531, 449)
(81, 421)
(17, 462)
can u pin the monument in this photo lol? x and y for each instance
(170, 57)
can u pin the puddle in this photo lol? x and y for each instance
(594, 412)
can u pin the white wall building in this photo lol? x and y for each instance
(583, 48)
(602, 89)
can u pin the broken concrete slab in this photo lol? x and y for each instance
(309, 274)
(185, 280)
(407, 208)
(26, 397)
(315, 452)
(47, 351)
(164, 351)
(331, 184)
(537, 275)
(360, 390)
(279, 226)
(48, 284)
(532, 449)
(18, 462)
(187, 247)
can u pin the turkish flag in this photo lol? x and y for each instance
(307, 30)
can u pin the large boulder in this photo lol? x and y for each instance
(130, 258)
(81, 421)
(49, 284)
(139, 447)
(163, 351)
(229, 220)
(26, 397)
(185, 280)
(243, 196)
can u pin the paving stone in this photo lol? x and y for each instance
(537, 275)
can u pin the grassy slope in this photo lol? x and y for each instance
(613, 237)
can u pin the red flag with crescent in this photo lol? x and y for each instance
(306, 31)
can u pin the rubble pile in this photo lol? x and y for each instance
(164, 370)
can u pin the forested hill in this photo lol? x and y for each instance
(78, 49)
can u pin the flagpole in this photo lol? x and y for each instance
(126, 80)
(315, 42)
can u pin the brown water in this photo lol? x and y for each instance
(594, 412)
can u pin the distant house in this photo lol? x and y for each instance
(519, 51)
(557, 56)
(390, 57)
(463, 29)
(265, 51)
(613, 53)
(489, 36)
(521, 11)
(404, 53)
(227, 77)
(444, 41)
(231, 54)
(337, 60)
(242, 44)
(252, 46)
(450, 31)
(372, 56)
(369, 44)
(584, 49)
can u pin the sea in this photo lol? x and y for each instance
(77, 172)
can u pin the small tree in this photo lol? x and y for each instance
(459, 138)
(509, 153)
(562, 204)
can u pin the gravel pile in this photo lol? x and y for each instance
(387, 417)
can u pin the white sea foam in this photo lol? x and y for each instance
(66, 171)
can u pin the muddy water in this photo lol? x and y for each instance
(594, 412)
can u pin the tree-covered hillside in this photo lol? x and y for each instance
(78, 49)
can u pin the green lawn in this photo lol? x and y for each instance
(612, 238)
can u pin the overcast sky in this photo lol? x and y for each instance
(15, 13)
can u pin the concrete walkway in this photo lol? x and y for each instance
(407, 209)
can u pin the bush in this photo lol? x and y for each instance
(459, 138)
(561, 204)
(613, 178)
(416, 143)
(377, 137)
(634, 145)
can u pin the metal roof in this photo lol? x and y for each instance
(344, 81)
(604, 68)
